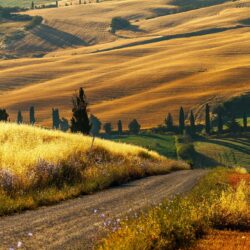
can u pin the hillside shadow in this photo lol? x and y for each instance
(57, 37)
(176, 36)
(203, 161)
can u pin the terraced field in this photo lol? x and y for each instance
(167, 59)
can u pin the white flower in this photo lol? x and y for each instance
(30, 234)
(19, 244)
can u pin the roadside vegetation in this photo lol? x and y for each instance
(219, 201)
(40, 166)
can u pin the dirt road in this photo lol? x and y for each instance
(79, 223)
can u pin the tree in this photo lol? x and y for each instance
(169, 122)
(107, 128)
(96, 125)
(64, 124)
(119, 127)
(3, 115)
(32, 115)
(207, 119)
(80, 120)
(220, 122)
(32, 5)
(233, 125)
(192, 123)
(55, 118)
(57, 4)
(245, 121)
(134, 127)
(181, 120)
(19, 117)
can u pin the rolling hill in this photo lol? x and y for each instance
(172, 55)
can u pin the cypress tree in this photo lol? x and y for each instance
(55, 118)
(32, 115)
(181, 120)
(80, 120)
(32, 5)
(207, 119)
(134, 127)
(169, 122)
(220, 122)
(107, 128)
(245, 121)
(119, 127)
(3, 115)
(192, 123)
(96, 125)
(19, 117)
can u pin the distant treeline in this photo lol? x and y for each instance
(223, 119)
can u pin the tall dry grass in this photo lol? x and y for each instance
(39, 166)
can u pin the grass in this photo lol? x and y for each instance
(22, 3)
(162, 144)
(226, 151)
(224, 240)
(213, 203)
(39, 166)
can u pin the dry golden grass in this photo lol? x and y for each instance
(39, 166)
(224, 240)
(23, 146)
(141, 74)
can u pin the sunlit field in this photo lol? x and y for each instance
(40, 166)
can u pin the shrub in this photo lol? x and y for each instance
(36, 20)
(119, 23)
(187, 153)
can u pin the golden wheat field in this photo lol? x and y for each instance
(23, 146)
(163, 62)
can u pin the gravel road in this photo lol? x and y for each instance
(79, 223)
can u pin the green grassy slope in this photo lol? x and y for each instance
(225, 151)
(163, 144)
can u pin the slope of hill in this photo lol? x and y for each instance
(165, 61)
(39, 166)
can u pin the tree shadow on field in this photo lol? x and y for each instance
(203, 161)
(57, 37)
(176, 36)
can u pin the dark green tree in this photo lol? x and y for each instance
(19, 117)
(107, 128)
(64, 124)
(220, 122)
(245, 121)
(96, 125)
(32, 115)
(119, 127)
(207, 119)
(233, 125)
(192, 123)
(181, 120)
(134, 127)
(3, 115)
(55, 118)
(169, 122)
(80, 120)
(32, 5)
